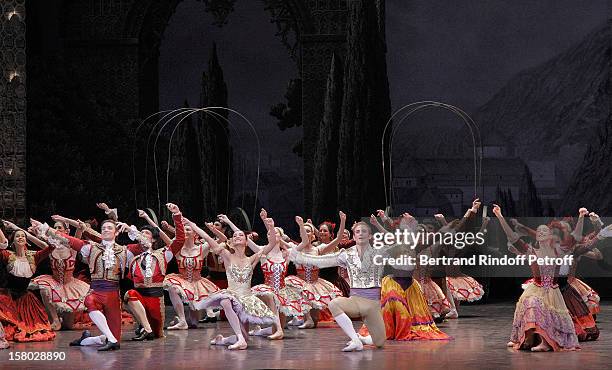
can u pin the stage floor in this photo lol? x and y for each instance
(480, 337)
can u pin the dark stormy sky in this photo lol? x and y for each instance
(460, 52)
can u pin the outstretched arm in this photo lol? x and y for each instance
(168, 229)
(111, 213)
(526, 230)
(272, 240)
(326, 248)
(577, 233)
(179, 240)
(376, 224)
(518, 246)
(252, 245)
(321, 261)
(596, 221)
(88, 231)
(34, 240)
(441, 219)
(3, 240)
(213, 245)
(162, 235)
(222, 238)
(303, 234)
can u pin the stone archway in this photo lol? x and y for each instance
(121, 38)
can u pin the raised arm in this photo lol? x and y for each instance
(87, 231)
(162, 235)
(168, 229)
(519, 246)
(471, 212)
(596, 221)
(578, 229)
(216, 232)
(110, 213)
(441, 219)
(525, 230)
(272, 239)
(326, 248)
(305, 241)
(3, 240)
(78, 245)
(214, 246)
(179, 240)
(34, 240)
(376, 224)
(223, 218)
(252, 245)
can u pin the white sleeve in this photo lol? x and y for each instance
(168, 254)
(326, 260)
(130, 257)
(85, 251)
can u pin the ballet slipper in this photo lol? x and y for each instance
(181, 325)
(255, 330)
(353, 346)
(56, 325)
(510, 344)
(218, 341)
(542, 347)
(453, 314)
(277, 336)
(240, 345)
(4, 343)
(309, 324)
(295, 322)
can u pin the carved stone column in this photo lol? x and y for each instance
(316, 51)
(13, 110)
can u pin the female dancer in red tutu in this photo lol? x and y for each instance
(316, 291)
(21, 313)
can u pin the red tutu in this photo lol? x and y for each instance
(24, 318)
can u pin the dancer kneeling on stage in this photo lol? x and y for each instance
(107, 262)
(365, 281)
(148, 270)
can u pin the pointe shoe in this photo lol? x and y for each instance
(56, 325)
(180, 325)
(542, 347)
(453, 314)
(295, 322)
(218, 341)
(353, 346)
(255, 330)
(238, 345)
(4, 343)
(110, 346)
(208, 319)
(276, 336)
(510, 344)
(307, 325)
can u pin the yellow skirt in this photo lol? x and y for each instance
(406, 313)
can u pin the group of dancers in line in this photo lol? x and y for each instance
(555, 311)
